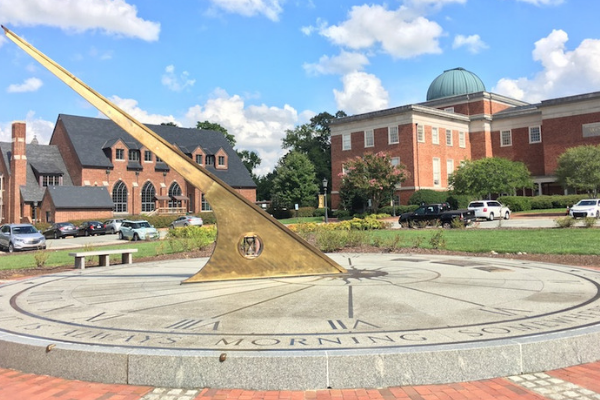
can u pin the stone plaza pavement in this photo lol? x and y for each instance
(577, 383)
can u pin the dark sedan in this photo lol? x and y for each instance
(60, 230)
(91, 228)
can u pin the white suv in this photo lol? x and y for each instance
(489, 209)
(586, 208)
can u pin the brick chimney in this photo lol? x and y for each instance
(18, 172)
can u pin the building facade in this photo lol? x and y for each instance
(462, 121)
(96, 170)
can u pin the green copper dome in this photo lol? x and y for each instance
(454, 82)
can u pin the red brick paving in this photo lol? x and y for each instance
(15, 385)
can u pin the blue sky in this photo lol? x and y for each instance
(261, 67)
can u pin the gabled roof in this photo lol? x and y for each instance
(90, 135)
(73, 197)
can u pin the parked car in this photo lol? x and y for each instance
(137, 230)
(113, 225)
(91, 228)
(489, 209)
(60, 230)
(187, 220)
(438, 213)
(21, 237)
(586, 208)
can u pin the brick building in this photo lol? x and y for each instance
(93, 169)
(462, 121)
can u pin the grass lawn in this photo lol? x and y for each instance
(531, 241)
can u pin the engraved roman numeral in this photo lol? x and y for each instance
(338, 324)
(45, 296)
(103, 316)
(194, 324)
(509, 312)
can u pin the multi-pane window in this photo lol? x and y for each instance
(221, 161)
(205, 205)
(199, 158)
(119, 154)
(393, 135)
(147, 155)
(535, 134)
(134, 155)
(461, 140)
(449, 167)
(395, 161)
(174, 190)
(119, 197)
(505, 138)
(50, 180)
(435, 137)
(210, 160)
(148, 193)
(420, 133)
(158, 159)
(369, 139)
(346, 141)
(448, 137)
(437, 175)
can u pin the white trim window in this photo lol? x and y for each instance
(435, 136)
(393, 135)
(448, 137)
(346, 141)
(505, 138)
(395, 161)
(449, 109)
(449, 167)
(535, 134)
(420, 134)
(437, 174)
(369, 138)
(461, 140)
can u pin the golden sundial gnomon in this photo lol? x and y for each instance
(250, 243)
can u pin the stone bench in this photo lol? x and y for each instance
(104, 256)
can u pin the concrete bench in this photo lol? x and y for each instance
(104, 256)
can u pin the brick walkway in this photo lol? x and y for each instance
(581, 382)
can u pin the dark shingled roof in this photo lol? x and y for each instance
(41, 159)
(90, 135)
(89, 197)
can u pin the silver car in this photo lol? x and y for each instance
(137, 230)
(21, 237)
(113, 225)
(187, 220)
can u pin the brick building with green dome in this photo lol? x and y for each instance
(461, 120)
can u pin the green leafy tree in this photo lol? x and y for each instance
(314, 140)
(371, 177)
(169, 123)
(218, 128)
(294, 182)
(490, 175)
(579, 168)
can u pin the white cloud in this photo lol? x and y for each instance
(543, 2)
(362, 93)
(131, 107)
(564, 72)
(2, 40)
(249, 8)
(341, 64)
(115, 17)
(473, 43)
(174, 82)
(37, 127)
(257, 128)
(30, 85)
(400, 33)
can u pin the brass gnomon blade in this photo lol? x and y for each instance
(250, 243)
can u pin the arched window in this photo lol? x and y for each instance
(174, 190)
(119, 197)
(148, 193)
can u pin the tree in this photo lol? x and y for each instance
(371, 177)
(170, 123)
(490, 175)
(294, 182)
(314, 140)
(579, 168)
(218, 128)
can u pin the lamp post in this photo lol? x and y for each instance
(35, 206)
(325, 198)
